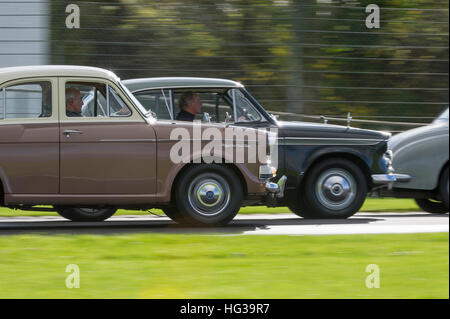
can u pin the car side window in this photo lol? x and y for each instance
(93, 100)
(224, 109)
(157, 101)
(212, 103)
(26, 100)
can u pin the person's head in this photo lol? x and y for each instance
(74, 101)
(190, 102)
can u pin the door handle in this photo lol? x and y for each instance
(68, 132)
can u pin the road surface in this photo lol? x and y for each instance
(281, 224)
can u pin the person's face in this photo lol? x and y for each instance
(76, 103)
(196, 105)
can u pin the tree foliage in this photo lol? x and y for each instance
(294, 56)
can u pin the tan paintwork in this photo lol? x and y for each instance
(167, 171)
(114, 161)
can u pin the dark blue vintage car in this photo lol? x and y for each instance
(330, 169)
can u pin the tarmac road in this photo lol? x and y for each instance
(283, 224)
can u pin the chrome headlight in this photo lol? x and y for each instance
(272, 146)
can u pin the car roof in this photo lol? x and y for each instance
(12, 73)
(179, 82)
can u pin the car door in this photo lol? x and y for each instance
(109, 149)
(29, 139)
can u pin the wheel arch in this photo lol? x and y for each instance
(440, 173)
(353, 157)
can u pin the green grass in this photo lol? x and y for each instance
(207, 266)
(371, 205)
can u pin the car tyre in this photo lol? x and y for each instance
(173, 214)
(430, 206)
(334, 188)
(443, 188)
(208, 195)
(298, 206)
(85, 214)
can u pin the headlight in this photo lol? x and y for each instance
(272, 147)
(272, 138)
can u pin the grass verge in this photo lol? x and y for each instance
(207, 266)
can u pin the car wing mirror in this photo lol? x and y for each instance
(206, 117)
(228, 117)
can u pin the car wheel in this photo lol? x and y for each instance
(298, 206)
(208, 195)
(85, 214)
(334, 188)
(443, 187)
(430, 206)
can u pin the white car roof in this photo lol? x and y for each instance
(13, 73)
(179, 82)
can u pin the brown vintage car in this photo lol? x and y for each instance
(74, 138)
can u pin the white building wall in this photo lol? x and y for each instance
(24, 33)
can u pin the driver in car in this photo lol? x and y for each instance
(190, 105)
(74, 102)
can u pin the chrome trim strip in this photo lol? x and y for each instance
(171, 111)
(108, 107)
(232, 141)
(128, 140)
(4, 103)
(326, 141)
(234, 104)
(187, 87)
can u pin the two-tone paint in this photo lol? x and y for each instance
(121, 161)
(300, 144)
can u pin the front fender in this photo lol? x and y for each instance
(299, 159)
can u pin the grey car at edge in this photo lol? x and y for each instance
(423, 154)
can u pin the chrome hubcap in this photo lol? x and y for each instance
(209, 194)
(336, 189)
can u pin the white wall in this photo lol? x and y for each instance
(29, 23)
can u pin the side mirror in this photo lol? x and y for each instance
(228, 117)
(206, 117)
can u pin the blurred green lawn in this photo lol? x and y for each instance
(207, 266)
(371, 205)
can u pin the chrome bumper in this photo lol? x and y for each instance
(277, 189)
(390, 178)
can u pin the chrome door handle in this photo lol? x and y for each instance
(68, 132)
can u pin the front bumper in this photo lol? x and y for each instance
(276, 189)
(390, 179)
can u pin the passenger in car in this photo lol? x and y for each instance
(74, 102)
(190, 105)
